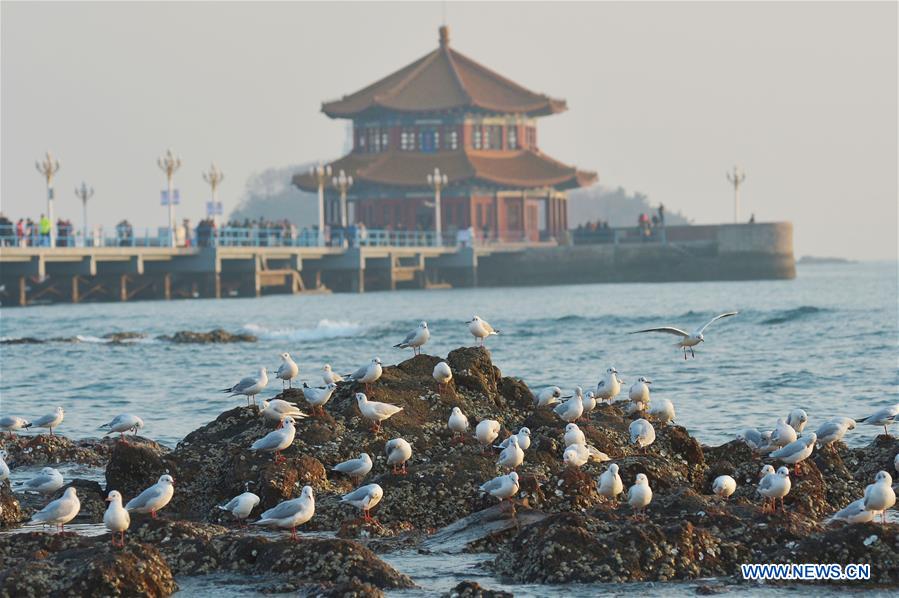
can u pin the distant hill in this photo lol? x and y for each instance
(616, 206)
(270, 195)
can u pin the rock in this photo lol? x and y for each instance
(471, 589)
(136, 465)
(213, 336)
(90, 494)
(40, 564)
(10, 510)
(43, 449)
(118, 338)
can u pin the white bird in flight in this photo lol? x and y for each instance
(688, 339)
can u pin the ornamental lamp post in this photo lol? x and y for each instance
(736, 179)
(214, 176)
(342, 183)
(437, 180)
(49, 167)
(169, 163)
(84, 193)
(321, 174)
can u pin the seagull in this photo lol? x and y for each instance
(116, 518)
(123, 423)
(458, 423)
(834, 430)
(415, 339)
(287, 371)
(4, 468)
(374, 411)
(154, 498)
(896, 463)
(797, 420)
(609, 387)
(571, 410)
(523, 437)
(11, 423)
(775, 485)
(364, 498)
(277, 440)
(249, 386)
(640, 495)
(609, 483)
(688, 339)
(797, 451)
(880, 495)
(290, 513)
(639, 392)
(578, 455)
(642, 433)
(883, 417)
(60, 511)
(549, 396)
(574, 435)
(724, 486)
(854, 512)
(480, 329)
(48, 481)
(752, 438)
(398, 452)
(328, 376)
(662, 410)
(367, 374)
(486, 432)
(277, 409)
(317, 397)
(783, 434)
(50, 421)
(503, 487)
(355, 468)
(241, 506)
(512, 456)
(443, 375)
(589, 400)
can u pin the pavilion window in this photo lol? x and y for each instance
(385, 139)
(429, 140)
(407, 139)
(476, 138)
(451, 138)
(512, 137)
(493, 137)
(486, 143)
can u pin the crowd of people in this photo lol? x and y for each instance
(26, 232)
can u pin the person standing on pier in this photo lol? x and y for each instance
(44, 226)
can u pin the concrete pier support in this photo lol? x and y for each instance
(75, 296)
(23, 291)
(123, 287)
(212, 288)
(167, 287)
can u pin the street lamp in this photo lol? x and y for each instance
(84, 193)
(321, 174)
(736, 179)
(214, 176)
(342, 182)
(49, 167)
(437, 180)
(169, 163)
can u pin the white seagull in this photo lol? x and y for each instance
(443, 375)
(549, 396)
(277, 440)
(523, 437)
(367, 374)
(724, 486)
(4, 468)
(317, 397)
(503, 487)
(48, 481)
(116, 518)
(398, 452)
(154, 498)
(571, 410)
(578, 455)
(854, 512)
(574, 435)
(834, 430)
(609, 387)
(797, 451)
(364, 498)
(328, 375)
(688, 339)
(415, 339)
(241, 506)
(512, 456)
(775, 485)
(374, 411)
(481, 329)
(642, 433)
(639, 393)
(589, 400)
(288, 370)
(796, 419)
(609, 484)
(290, 513)
(883, 417)
(12, 423)
(50, 421)
(783, 434)
(249, 386)
(486, 432)
(60, 511)
(458, 423)
(880, 495)
(123, 423)
(277, 409)
(640, 495)
(355, 468)
(662, 410)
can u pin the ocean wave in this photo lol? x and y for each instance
(325, 329)
(790, 315)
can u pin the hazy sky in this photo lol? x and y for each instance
(663, 99)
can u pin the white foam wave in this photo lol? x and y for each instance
(325, 329)
(86, 338)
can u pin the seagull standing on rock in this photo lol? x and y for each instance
(277, 409)
(880, 495)
(724, 486)
(639, 496)
(241, 506)
(60, 511)
(277, 440)
(365, 499)
(317, 397)
(328, 375)
(415, 339)
(374, 411)
(4, 468)
(481, 329)
(578, 455)
(548, 396)
(288, 370)
(609, 484)
(642, 433)
(834, 430)
(355, 468)
(574, 435)
(523, 437)
(512, 456)
(458, 423)
(662, 410)
(486, 432)
(290, 513)
(12, 423)
(782, 435)
(123, 423)
(571, 410)
(797, 419)
(398, 452)
(639, 393)
(154, 498)
(688, 339)
(503, 487)
(854, 512)
(589, 400)
(116, 518)
(775, 485)
(249, 386)
(367, 374)
(50, 421)
(609, 387)
(883, 417)
(443, 375)
(48, 481)
(797, 451)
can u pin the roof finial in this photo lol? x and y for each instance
(444, 36)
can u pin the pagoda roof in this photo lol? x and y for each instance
(518, 169)
(444, 80)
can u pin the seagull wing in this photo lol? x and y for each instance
(269, 441)
(144, 498)
(667, 329)
(492, 485)
(718, 317)
(243, 385)
(284, 510)
(360, 373)
(357, 494)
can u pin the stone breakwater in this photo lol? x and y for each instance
(564, 531)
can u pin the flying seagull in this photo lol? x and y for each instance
(688, 339)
